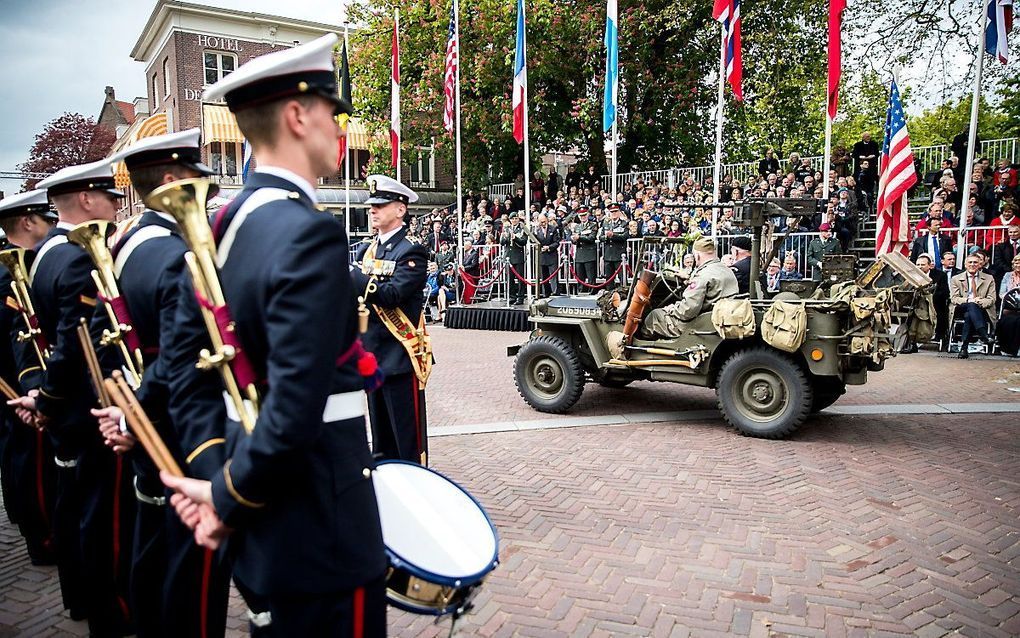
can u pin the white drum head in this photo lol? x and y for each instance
(431, 524)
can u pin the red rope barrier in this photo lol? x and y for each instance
(608, 280)
(532, 283)
(467, 279)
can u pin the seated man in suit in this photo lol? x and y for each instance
(932, 243)
(972, 297)
(940, 296)
(1004, 252)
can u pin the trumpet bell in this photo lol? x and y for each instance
(183, 195)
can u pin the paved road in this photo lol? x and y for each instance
(863, 525)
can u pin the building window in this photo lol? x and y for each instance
(218, 66)
(423, 167)
(166, 78)
(155, 91)
(223, 157)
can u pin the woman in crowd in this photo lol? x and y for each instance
(674, 230)
(1007, 330)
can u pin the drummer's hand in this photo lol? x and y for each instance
(109, 426)
(24, 407)
(193, 502)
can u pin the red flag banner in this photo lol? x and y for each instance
(836, 8)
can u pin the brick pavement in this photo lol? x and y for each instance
(863, 525)
(475, 364)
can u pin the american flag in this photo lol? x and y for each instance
(728, 12)
(450, 78)
(896, 176)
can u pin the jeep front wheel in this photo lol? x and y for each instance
(548, 374)
(763, 393)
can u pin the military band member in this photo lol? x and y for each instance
(516, 241)
(95, 503)
(585, 255)
(28, 469)
(177, 587)
(297, 491)
(393, 272)
(613, 235)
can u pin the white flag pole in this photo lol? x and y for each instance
(460, 200)
(717, 173)
(532, 292)
(347, 157)
(827, 159)
(396, 98)
(971, 138)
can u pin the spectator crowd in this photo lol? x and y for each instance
(575, 210)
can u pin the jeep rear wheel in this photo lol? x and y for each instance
(763, 393)
(548, 374)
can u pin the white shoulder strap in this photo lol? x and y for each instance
(134, 241)
(257, 199)
(52, 242)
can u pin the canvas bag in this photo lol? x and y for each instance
(733, 318)
(784, 325)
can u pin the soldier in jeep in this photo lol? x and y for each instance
(710, 282)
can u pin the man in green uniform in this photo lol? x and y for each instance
(584, 237)
(710, 282)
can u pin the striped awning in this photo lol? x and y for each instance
(357, 134)
(152, 126)
(219, 125)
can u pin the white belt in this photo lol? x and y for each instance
(261, 619)
(339, 407)
(65, 464)
(145, 498)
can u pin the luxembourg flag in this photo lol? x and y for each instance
(1000, 23)
(612, 68)
(520, 76)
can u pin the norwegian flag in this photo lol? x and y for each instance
(395, 100)
(450, 77)
(896, 176)
(728, 13)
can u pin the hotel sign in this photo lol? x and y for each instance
(220, 43)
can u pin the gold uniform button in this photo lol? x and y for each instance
(366, 472)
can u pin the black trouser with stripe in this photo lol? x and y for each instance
(33, 475)
(67, 535)
(197, 584)
(107, 532)
(346, 614)
(399, 419)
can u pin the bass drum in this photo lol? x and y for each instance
(440, 542)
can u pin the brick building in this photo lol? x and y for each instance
(186, 47)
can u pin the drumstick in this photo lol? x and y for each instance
(8, 391)
(92, 363)
(140, 424)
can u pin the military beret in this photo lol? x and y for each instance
(704, 245)
(743, 243)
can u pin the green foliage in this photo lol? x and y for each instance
(669, 56)
(940, 124)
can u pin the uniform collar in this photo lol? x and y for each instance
(291, 177)
(386, 237)
(64, 226)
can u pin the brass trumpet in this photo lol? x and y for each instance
(92, 237)
(14, 260)
(185, 201)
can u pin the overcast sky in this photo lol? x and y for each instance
(58, 55)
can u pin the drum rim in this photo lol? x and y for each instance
(447, 581)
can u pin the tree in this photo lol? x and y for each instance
(68, 140)
(1010, 106)
(940, 124)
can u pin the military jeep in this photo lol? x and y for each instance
(849, 328)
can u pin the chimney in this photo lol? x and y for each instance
(110, 95)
